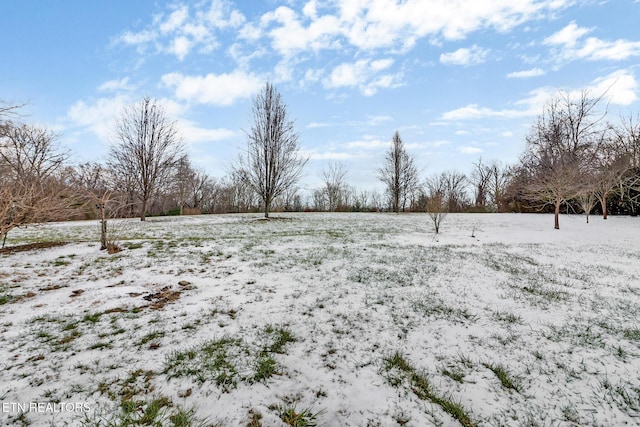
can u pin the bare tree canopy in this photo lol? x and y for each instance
(272, 164)
(561, 145)
(399, 174)
(627, 161)
(437, 205)
(146, 150)
(31, 190)
(335, 186)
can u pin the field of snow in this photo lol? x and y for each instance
(324, 319)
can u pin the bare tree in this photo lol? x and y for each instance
(498, 181)
(272, 164)
(183, 182)
(95, 182)
(31, 189)
(558, 149)
(437, 205)
(399, 174)
(146, 150)
(203, 190)
(587, 201)
(334, 185)
(627, 137)
(481, 179)
(456, 190)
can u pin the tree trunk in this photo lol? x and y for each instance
(557, 215)
(267, 207)
(603, 203)
(103, 230)
(143, 213)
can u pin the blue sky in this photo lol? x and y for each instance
(458, 79)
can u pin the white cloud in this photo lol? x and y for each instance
(468, 149)
(381, 64)
(439, 143)
(534, 72)
(179, 32)
(619, 87)
(474, 112)
(368, 144)
(116, 85)
(291, 36)
(221, 14)
(570, 45)
(364, 75)
(180, 47)
(193, 134)
(532, 106)
(465, 56)
(373, 24)
(100, 116)
(175, 20)
(506, 134)
(568, 36)
(215, 89)
(142, 37)
(315, 125)
(328, 155)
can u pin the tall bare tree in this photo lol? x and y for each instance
(147, 148)
(498, 181)
(272, 163)
(456, 190)
(399, 174)
(31, 188)
(481, 180)
(627, 137)
(183, 182)
(561, 144)
(335, 186)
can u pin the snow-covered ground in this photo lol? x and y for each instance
(339, 319)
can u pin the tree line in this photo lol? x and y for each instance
(574, 159)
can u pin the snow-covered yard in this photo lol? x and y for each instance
(334, 319)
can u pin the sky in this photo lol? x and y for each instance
(458, 79)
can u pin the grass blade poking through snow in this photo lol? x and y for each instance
(419, 385)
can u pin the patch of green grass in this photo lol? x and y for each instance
(6, 298)
(294, 417)
(100, 345)
(279, 337)
(151, 336)
(92, 317)
(60, 262)
(631, 334)
(509, 318)
(431, 306)
(454, 373)
(227, 361)
(255, 418)
(266, 367)
(133, 245)
(419, 385)
(157, 411)
(506, 379)
(214, 360)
